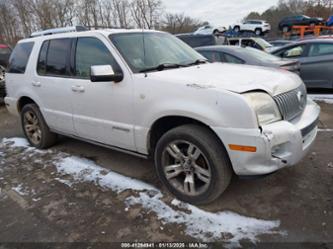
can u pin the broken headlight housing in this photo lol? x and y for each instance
(264, 106)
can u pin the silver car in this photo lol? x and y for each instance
(316, 58)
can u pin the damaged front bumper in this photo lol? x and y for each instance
(278, 145)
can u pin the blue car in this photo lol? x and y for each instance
(330, 21)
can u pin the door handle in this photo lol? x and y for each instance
(36, 84)
(78, 89)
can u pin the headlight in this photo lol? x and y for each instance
(264, 106)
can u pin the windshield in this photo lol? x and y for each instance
(263, 43)
(260, 55)
(143, 51)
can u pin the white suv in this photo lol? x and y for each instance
(259, 27)
(149, 94)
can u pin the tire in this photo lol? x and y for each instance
(312, 24)
(35, 128)
(210, 169)
(258, 32)
(285, 29)
(2, 83)
(237, 29)
(216, 32)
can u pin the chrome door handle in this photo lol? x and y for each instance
(78, 89)
(36, 84)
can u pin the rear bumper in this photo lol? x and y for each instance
(278, 145)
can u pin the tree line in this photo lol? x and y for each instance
(19, 18)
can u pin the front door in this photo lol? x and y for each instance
(102, 111)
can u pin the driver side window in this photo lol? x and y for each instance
(91, 51)
(294, 52)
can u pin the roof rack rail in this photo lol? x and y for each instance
(59, 31)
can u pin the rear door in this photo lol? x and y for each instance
(51, 83)
(316, 66)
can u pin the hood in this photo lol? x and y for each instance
(232, 77)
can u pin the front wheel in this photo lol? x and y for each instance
(193, 164)
(35, 128)
(236, 29)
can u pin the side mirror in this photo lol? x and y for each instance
(104, 73)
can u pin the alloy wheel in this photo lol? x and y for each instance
(186, 168)
(32, 127)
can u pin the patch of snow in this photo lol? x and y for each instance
(204, 225)
(199, 223)
(328, 99)
(325, 130)
(16, 142)
(20, 190)
(87, 171)
(63, 181)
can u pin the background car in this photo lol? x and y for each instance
(257, 26)
(287, 22)
(329, 21)
(253, 42)
(316, 58)
(280, 43)
(250, 56)
(5, 52)
(195, 41)
(209, 30)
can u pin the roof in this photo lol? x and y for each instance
(105, 32)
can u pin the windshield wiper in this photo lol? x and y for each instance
(161, 67)
(197, 62)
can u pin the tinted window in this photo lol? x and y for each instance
(41, 66)
(58, 57)
(19, 58)
(232, 59)
(91, 51)
(321, 49)
(198, 41)
(212, 56)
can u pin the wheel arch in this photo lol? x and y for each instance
(166, 123)
(24, 100)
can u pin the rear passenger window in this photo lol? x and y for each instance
(57, 59)
(321, 49)
(19, 58)
(41, 66)
(92, 52)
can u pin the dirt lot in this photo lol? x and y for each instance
(43, 201)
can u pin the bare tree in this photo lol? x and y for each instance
(146, 13)
(179, 23)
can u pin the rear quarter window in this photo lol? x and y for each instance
(19, 58)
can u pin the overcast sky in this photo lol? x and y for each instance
(218, 12)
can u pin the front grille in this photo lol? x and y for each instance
(291, 104)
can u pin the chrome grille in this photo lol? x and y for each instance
(291, 104)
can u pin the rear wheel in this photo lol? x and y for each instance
(193, 164)
(258, 32)
(285, 29)
(35, 128)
